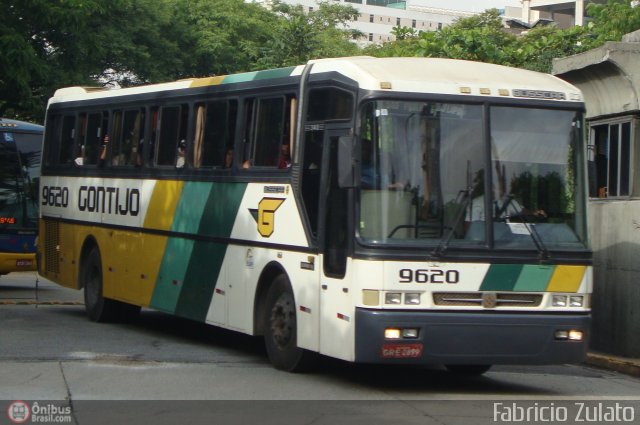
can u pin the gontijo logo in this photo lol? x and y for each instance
(18, 412)
(265, 215)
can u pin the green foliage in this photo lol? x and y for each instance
(47, 44)
(300, 36)
(482, 38)
(612, 20)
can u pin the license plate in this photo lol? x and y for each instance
(401, 351)
(24, 263)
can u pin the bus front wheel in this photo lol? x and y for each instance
(281, 330)
(99, 308)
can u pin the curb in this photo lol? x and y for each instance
(619, 364)
(34, 302)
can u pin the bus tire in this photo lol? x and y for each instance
(98, 308)
(281, 330)
(468, 369)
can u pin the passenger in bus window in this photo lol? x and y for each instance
(182, 147)
(79, 161)
(103, 151)
(285, 156)
(228, 158)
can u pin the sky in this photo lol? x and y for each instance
(468, 5)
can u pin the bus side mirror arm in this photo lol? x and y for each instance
(346, 174)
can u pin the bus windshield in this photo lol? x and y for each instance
(424, 171)
(19, 179)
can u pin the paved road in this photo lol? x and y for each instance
(50, 351)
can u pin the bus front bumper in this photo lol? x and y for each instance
(15, 262)
(470, 337)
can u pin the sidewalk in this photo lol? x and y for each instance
(624, 365)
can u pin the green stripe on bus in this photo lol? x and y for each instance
(200, 280)
(534, 278)
(501, 277)
(258, 75)
(171, 277)
(190, 207)
(219, 214)
(221, 209)
(274, 73)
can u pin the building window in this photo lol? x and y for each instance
(610, 158)
(370, 18)
(398, 22)
(310, 9)
(370, 36)
(413, 23)
(439, 25)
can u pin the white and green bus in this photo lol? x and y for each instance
(392, 211)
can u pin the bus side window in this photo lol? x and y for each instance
(265, 124)
(67, 139)
(215, 133)
(126, 147)
(92, 140)
(173, 129)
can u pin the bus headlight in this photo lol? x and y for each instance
(559, 301)
(411, 298)
(576, 301)
(393, 298)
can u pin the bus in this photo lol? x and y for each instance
(20, 145)
(374, 210)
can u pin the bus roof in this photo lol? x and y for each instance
(7, 124)
(413, 75)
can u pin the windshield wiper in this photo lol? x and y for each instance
(464, 196)
(543, 252)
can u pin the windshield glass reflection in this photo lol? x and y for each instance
(423, 172)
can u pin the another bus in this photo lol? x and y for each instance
(20, 145)
(432, 211)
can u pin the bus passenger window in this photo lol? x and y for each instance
(92, 141)
(266, 130)
(173, 129)
(215, 133)
(67, 140)
(127, 147)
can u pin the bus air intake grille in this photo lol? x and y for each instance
(51, 242)
(475, 299)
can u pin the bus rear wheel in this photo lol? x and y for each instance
(468, 369)
(99, 308)
(281, 330)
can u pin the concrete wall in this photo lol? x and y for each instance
(615, 233)
(609, 77)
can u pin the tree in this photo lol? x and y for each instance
(612, 20)
(47, 44)
(301, 36)
(220, 37)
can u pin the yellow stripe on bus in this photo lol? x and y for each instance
(163, 204)
(566, 279)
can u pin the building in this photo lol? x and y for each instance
(609, 77)
(378, 17)
(565, 13)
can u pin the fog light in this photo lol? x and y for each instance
(410, 333)
(575, 335)
(392, 298)
(559, 301)
(562, 335)
(412, 299)
(392, 333)
(576, 301)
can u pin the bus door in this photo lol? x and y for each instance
(336, 297)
